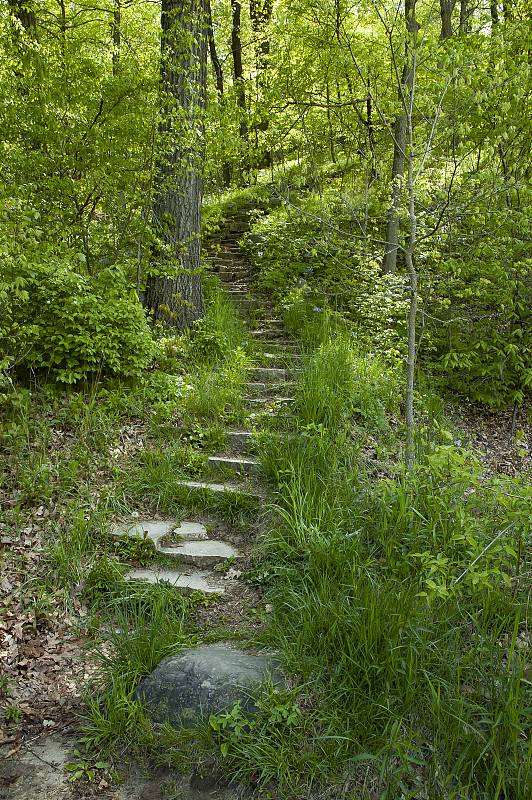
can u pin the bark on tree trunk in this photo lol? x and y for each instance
(176, 300)
(389, 262)
(236, 50)
(116, 35)
(218, 72)
(24, 11)
(465, 14)
(446, 11)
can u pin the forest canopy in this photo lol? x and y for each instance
(409, 123)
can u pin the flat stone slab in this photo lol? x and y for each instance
(206, 554)
(268, 374)
(157, 529)
(218, 488)
(204, 680)
(239, 227)
(239, 464)
(239, 440)
(195, 581)
(269, 401)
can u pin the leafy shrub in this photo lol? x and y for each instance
(81, 327)
(56, 319)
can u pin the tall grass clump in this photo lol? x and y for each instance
(313, 477)
(142, 625)
(217, 335)
(400, 608)
(325, 391)
(72, 548)
(218, 390)
(157, 474)
(337, 384)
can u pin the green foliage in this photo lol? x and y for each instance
(81, 329)
(485, 346)
(112, 718)
(56, 319)
(141, 627)
(157, 474)
(337, 384)
(13, 713)
(102, 578)
(70, 552)
(218, 392)
(84, 768)
(434, 523)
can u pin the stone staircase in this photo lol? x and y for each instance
(185, 546)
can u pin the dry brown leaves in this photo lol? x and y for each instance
(41, 656)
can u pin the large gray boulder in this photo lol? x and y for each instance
(204, 680)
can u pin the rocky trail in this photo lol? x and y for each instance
(197, 556)
(199, 553)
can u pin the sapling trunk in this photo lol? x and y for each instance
(412, 312)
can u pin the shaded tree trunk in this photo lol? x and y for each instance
(260, 12)
(218, 72)
(176, 300)
(389, 262)
(24, 12)
(116, 35)
(465, 16)
(446, 11)
(236, 51)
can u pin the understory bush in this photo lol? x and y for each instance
(57, 318)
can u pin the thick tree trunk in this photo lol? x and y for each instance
(24, 11)
(177, 300)
(389, 261)
(446, 12)
(260, 12)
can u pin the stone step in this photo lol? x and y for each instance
(155, 530)
(230, 250)
(270, 335)
(285, 357)
(269, 374)
(233, 266)
(231, 276)
(256, 389)
(220, 488)
(242, 465)
(265, 401)
(241, 441)
(239, 226)
(244, 302)
(198, 581)
(206, 553)
(269, 327)
(277, 346)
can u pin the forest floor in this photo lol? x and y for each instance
(53, 664)
(47, 628)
